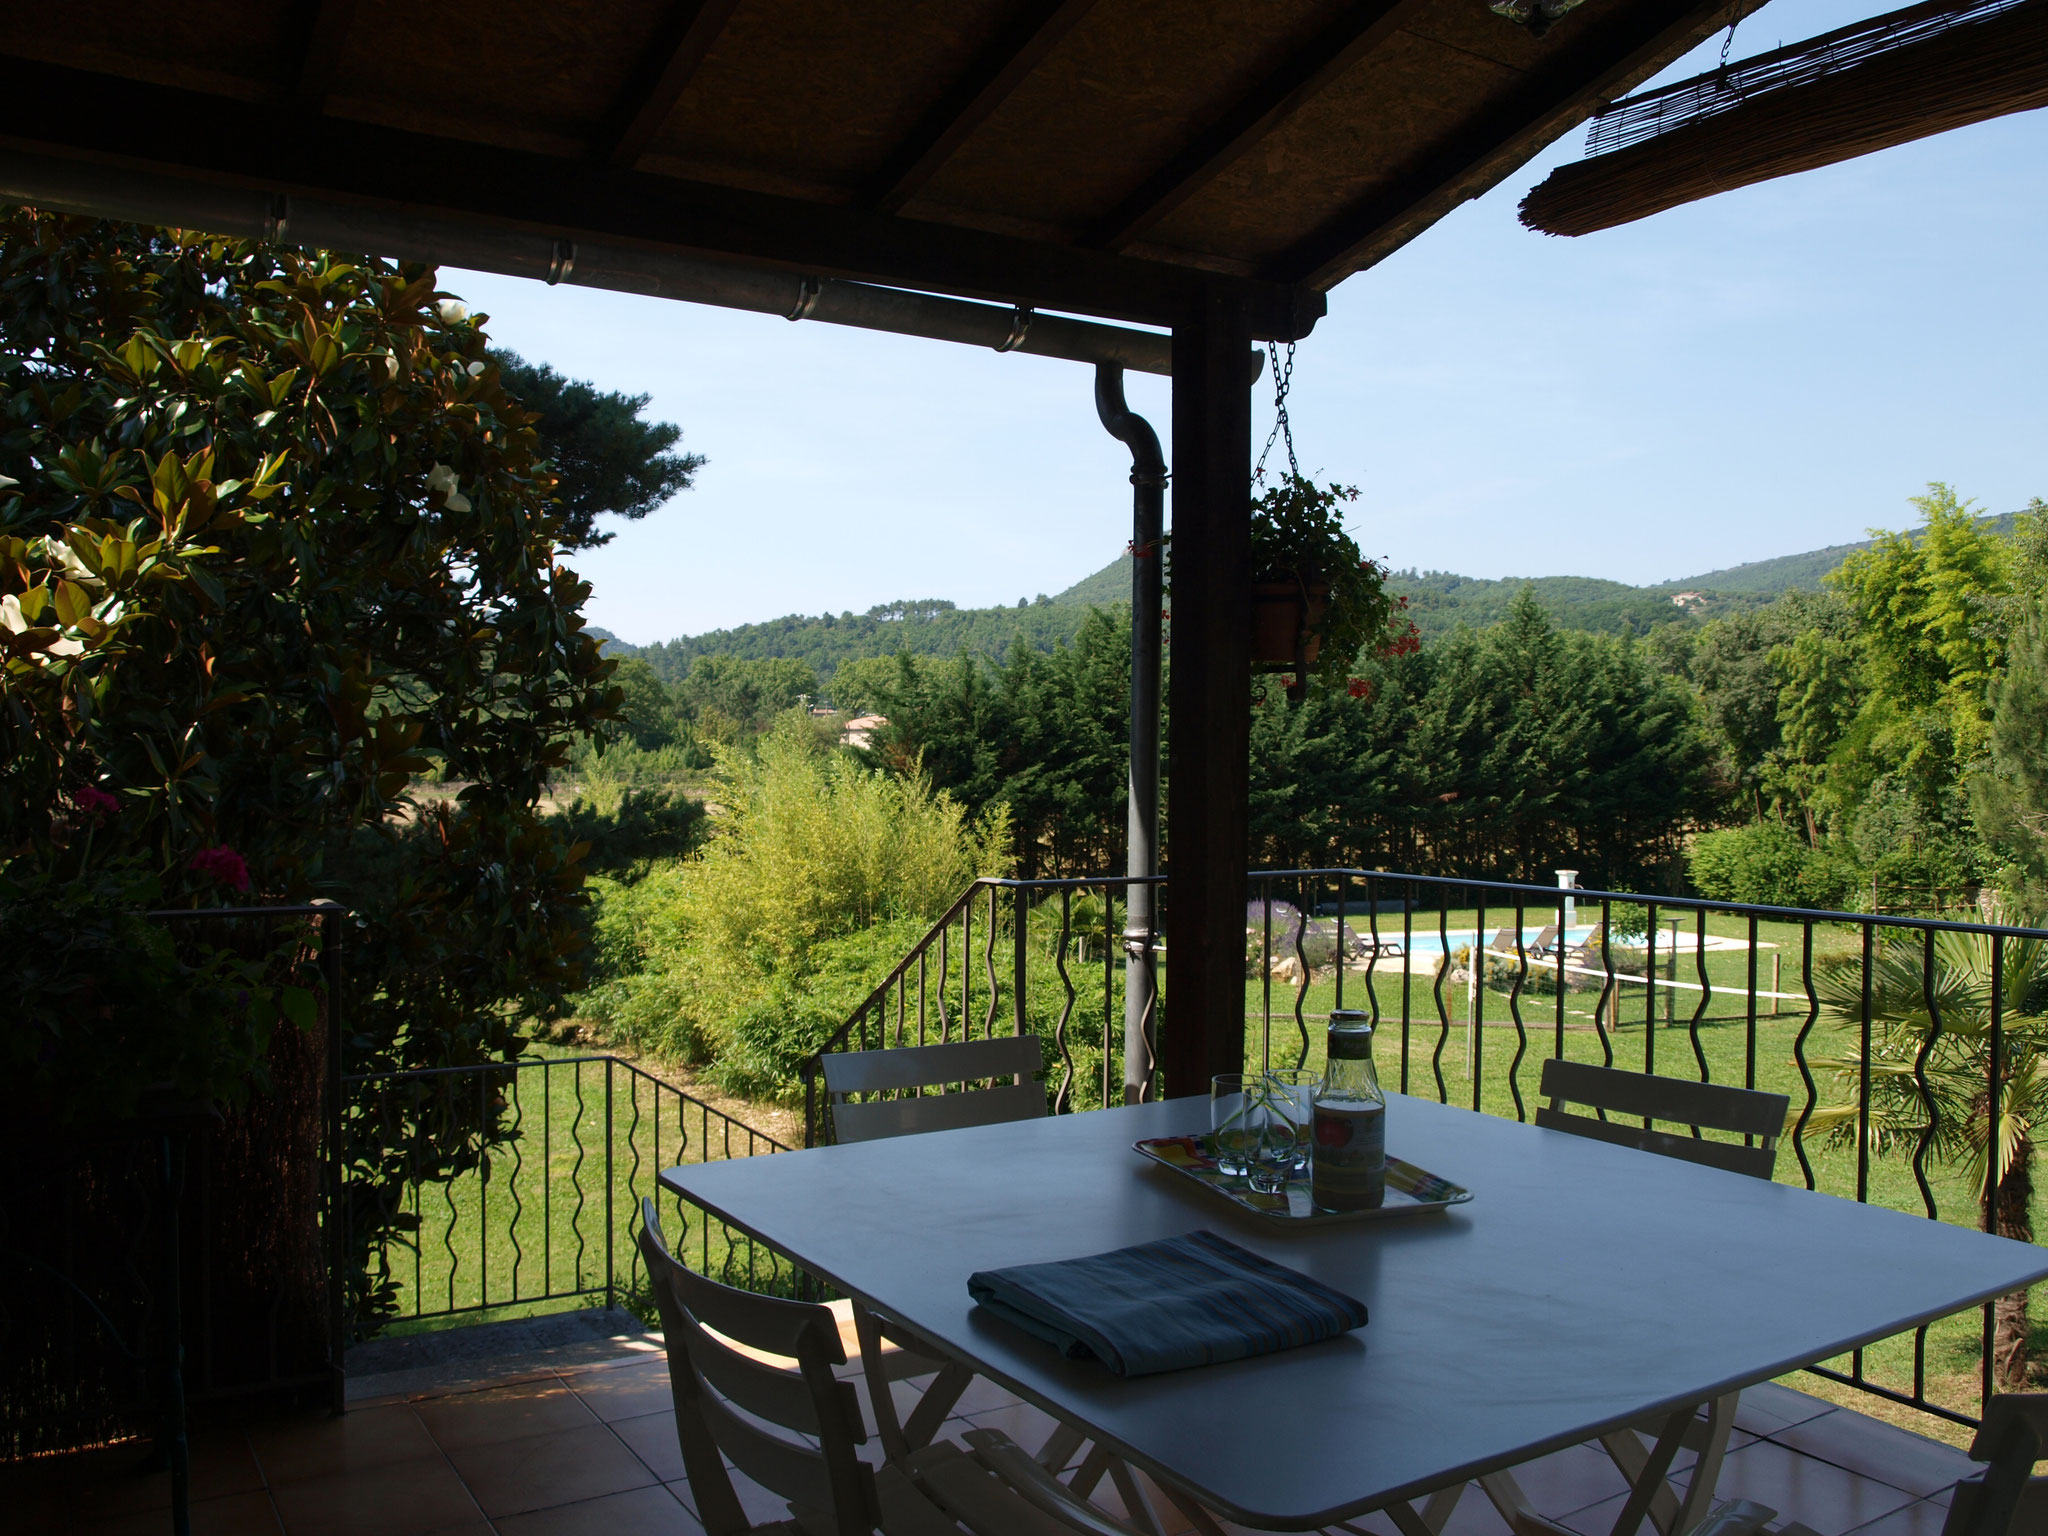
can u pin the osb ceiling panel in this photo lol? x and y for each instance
(815, 100)
(1133, 83)
(522, 73)
(813, 94)
(245, 54)
(1337, 149)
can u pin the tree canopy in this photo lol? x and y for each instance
(275, 540)
(607, 460)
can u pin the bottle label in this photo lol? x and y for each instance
(1348, 1163)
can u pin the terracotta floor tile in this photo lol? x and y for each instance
(1771, 1406)
(984, 1396)
(239, 1514)
(1020, 1421)
(1567, 1480)
(642, 1512)
(402, 1498)
(1922, 1518)
(509, 1413)
(1829, 1498)
(761, 1506)
(294, 1449)
(101, 1484)
(1872, 1448)
(624, 1392)
(652, 1438)
(540, 1471)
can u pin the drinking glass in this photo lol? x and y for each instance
(1270, 1138)
(1232, 1096)
(1294, 1092)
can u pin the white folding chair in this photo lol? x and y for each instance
(752, 1380)
(897, 1086)
(2006, 1498)
(1759, 1118)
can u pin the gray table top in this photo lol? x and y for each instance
(1584, 1286)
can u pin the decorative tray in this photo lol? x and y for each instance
(1409, 1189)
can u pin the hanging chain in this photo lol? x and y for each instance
(1728, 42)
(1283, 429)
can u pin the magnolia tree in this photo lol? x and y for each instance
(274, 540)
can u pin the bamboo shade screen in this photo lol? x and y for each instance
(1886, 81)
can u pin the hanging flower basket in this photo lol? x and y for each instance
(1316, 601)
(1286, 624)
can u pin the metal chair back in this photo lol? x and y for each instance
(912, 1070)
(1701, 1106)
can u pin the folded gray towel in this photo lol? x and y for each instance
(1164, 1306)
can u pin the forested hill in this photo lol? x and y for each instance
(1438, 601)
(927, 627)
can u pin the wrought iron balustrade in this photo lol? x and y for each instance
(1474, 983)
(518, 1183)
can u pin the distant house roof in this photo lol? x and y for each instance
(860, 730)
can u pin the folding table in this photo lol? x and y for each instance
(1585, 1287)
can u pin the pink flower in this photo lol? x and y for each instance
(222, 864)
(95, 802)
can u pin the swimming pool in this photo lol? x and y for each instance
(1433, 944)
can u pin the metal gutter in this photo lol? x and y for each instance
(105, 191)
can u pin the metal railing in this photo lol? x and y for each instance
(1894, 1036)
(518, 1183)
(932, 995)
(176, 1254)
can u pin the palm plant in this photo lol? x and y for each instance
(1933, 1083)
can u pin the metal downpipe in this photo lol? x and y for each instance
(1141, 858)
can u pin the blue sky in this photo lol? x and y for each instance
(1764, 372)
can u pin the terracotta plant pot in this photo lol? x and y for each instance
(1283, 613)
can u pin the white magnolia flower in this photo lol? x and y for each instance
(11, 617)
(441, 482)
(391, 367)
(475, 369)
(453, 313)
(74, 567)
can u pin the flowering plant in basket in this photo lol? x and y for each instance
(1304, 560)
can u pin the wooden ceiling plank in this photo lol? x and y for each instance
(1034, 32)
(672, 60)
(86, 114)
(321, 33)
(1547, 103)
(1341, 44)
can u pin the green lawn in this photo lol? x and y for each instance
(1476, 1068)
(540, 1227)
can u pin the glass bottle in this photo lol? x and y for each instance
(1348, 1158)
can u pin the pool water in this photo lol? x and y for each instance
(1433, 943)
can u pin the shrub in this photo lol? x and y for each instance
(640, 831)
(819, 875)
(1765, 864)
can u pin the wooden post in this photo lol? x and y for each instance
(1208, 762)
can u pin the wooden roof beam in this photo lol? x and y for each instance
(319, 31)
(1264, 108)
(1036, 29)
(672, 59)
(83, 114)
(1590, 66)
